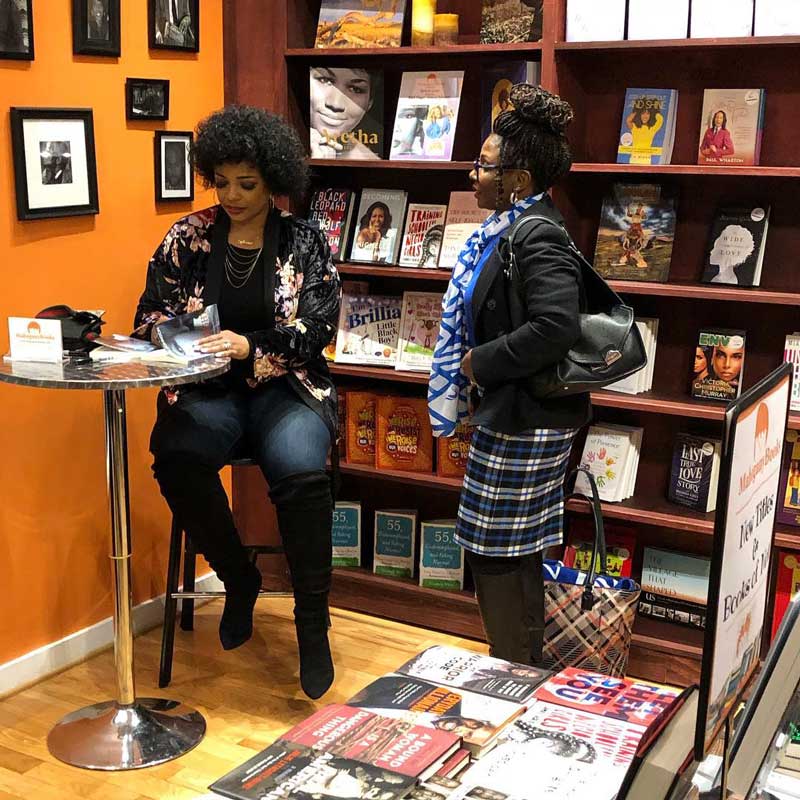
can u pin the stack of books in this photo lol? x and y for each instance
(641, 381)
(611, 454)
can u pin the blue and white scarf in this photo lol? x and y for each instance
(447, 388)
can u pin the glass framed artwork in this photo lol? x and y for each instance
(146, 98)
(174, 25)
(96, 27)
(173, 166)
(55, 167)
(16, 29)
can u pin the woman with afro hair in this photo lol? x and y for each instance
(277, 292)
(512, 501)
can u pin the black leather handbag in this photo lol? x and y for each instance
(78, 328)
(610, 346)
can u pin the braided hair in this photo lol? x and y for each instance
(533, 136)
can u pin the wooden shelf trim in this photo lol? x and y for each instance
(679, 44)
(456, 51)
(399, 476)
(787, 537)
(378, 373)
(703, 291)
(382, 163)
(688, 169)
(392, 271)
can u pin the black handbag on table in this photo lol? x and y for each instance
(610, 346)
(78, 328)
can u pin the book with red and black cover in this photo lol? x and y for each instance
(464, 669)
(286, 769)
(620, 547)
(787, 584)
(788, 510)
(477, 718)
(422, 239)
(331, 210)
(627, 700)
(396, 744)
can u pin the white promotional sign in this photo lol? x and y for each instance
(35, 340)
(743, 540)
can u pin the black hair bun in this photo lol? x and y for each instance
(539, 107)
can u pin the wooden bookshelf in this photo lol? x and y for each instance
(593, 76)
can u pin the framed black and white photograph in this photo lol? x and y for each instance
(146, 98)
(16, 29)
(174, 173)
(96, 27)
(174, 25)
(55, 168)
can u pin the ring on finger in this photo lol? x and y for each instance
(227, 345)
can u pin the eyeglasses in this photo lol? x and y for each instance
(478, 166)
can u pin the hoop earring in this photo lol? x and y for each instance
(513, 197)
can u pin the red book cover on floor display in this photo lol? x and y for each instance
(625, 699)
(788, 511)
(620, 547)
(787, 585)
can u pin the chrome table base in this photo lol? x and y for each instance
(114, 737)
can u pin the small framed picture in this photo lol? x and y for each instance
(55, 168)
(174, 25)
(16, 29)
(174, 173)
(95, 27)
(146, 98)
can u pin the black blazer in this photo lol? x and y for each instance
(503, 356)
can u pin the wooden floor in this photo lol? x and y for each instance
(248, 697)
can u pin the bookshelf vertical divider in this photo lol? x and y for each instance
(272, 71)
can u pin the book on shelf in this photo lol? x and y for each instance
(399, 745)
(427, 114)
(647, 132)
(422, 239)
(506, 21)
(179, 336)
(354, 289)
(694, 475)
(496, 83)
(791, 355)
(620, 547)
(732, 124)
(403, 435)
(642, 380)
(674, 586)
(361, 427)
(627, 700)
(346, 534)
(735, 252)
(788, 510)
(452, 452)
(611, 454)
(287, 769)
(360, 23)
(589, 21)
(708, 23)
(776, 18)
(555, 751)
(718, 366)
(331, 210)
(441, 559)
(787, 585)
(368, 330)
(376, 238)
(647, 20)
(463, 669)
(395, 543)
(663, 752)
(419, 329)
(463, 219)
(636, 232)
(345, 113)
(477, 718)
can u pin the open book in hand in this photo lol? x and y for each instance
(179, 336)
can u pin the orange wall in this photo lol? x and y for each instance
(54, 539)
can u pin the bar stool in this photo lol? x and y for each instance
(180, 542)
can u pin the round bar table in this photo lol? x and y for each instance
(129, 732)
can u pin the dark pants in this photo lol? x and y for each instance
(194, 438)
(510, 594)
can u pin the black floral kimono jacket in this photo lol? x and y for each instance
(186, 273)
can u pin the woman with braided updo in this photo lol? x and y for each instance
(512, 501)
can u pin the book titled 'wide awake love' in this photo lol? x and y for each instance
(636, 233)
(736, 245)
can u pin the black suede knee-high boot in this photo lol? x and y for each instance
(196, 497)
(304, 507)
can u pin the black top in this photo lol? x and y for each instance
(504, 357)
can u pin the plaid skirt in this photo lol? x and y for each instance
(512, 500)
